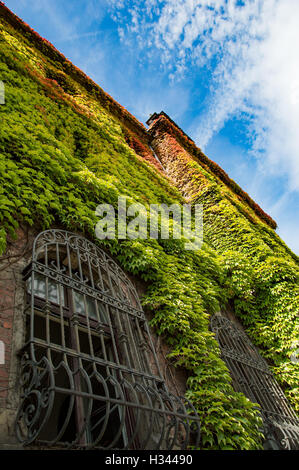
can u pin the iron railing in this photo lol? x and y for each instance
(90, 373)
(252, 376)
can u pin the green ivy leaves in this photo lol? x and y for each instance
(59, 161)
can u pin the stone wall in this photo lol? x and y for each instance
(12, 306)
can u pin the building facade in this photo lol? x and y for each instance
(134, 344)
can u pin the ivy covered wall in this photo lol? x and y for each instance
(263, 270)
(66, 146)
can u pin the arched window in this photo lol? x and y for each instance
(90, 375)
(252, 376)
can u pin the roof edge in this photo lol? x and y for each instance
(47, 48)
(156, 121)
(161, 122)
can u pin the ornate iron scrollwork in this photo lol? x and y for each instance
(252, 376)
(91, 378)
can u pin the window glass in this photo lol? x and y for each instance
(90, 306)
(90, 363)
(39, 288)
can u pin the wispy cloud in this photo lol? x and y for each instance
(216, 66)
(251, 49)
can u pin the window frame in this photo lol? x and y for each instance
(251, 376)
(138, 390)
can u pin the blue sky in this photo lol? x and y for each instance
(227, 71)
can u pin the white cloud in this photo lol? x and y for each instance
(248, 53)
(253, 51)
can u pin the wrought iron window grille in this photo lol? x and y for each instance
(251, 375)
(90, 375)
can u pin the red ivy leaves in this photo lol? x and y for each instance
(50, 51)
(141, 149)
(161, 124)
(164, 125)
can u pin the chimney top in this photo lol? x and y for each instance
(156, 116)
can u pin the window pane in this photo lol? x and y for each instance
(91, 307)
(102, 312)
(80, 305)
(40, 289)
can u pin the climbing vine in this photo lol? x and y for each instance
(62, 153)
